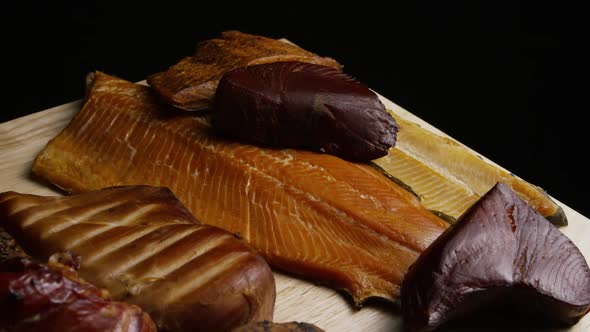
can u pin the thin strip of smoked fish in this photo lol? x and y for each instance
(190, 84)
(310, 214)
(145, 247)
(449, 178)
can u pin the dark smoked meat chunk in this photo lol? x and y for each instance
(302, 105)
(500, 251)
(52, 298)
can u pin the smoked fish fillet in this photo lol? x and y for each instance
(145, 248)
(449, 178)
(191, 83)
(310, 214)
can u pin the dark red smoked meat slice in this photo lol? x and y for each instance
(303, 105)
(500, 251)
(52, 298)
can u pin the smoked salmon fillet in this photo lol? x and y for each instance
(191, 83)
(145, 248)
(314, 215)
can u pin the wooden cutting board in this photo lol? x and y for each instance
(22, 139)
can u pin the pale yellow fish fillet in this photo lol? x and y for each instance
(449, 178)
(315, 215)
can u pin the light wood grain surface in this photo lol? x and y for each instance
(22, 139)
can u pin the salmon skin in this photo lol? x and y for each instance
(191, 83)
(314, 215)
(145, 248)
(449, 178)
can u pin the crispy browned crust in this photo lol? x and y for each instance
(142, 245)
(266, 326)
(190, 84)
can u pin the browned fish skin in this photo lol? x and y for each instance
(190, 84)
(142, 245)
(310, 214)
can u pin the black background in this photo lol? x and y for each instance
(505, 79)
